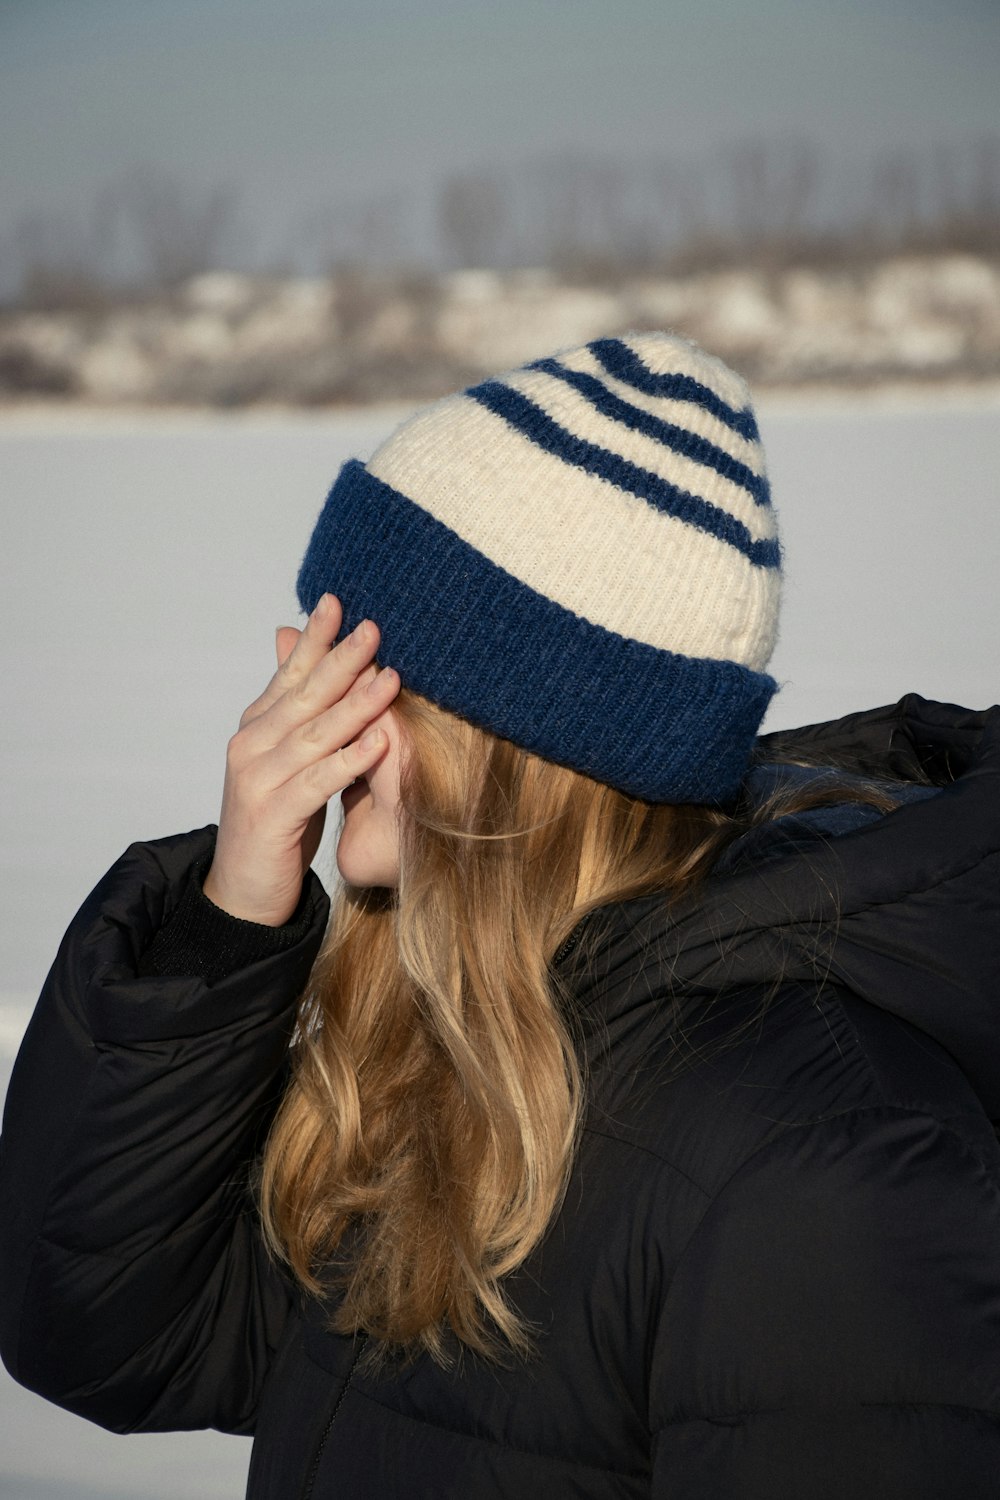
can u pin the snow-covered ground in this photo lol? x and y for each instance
(225, 339)
(147, 563)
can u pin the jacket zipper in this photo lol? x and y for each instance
(317, 1456)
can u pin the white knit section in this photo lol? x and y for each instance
(576, 415)
(578, 539)
(686, 414)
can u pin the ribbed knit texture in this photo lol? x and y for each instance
(199, 938)
(580, 555)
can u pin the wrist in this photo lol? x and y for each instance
(243, 907)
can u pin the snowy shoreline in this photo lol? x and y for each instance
(228, 341)
(81, 416)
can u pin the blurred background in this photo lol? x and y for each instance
(229, 202)
(240, 239)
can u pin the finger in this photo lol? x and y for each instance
(316, 783)
(330, 680)
(312, 643)
(285, 638)
(344, 723)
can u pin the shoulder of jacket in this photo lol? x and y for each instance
(758, 1067)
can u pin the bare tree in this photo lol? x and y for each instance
(657, 208)
(562, 211)
(986, 183)
(894, 211)
(361, 231)
(64, 260)
(178, 230)
(772, 191)
(473, 211)
(965, 189)
(946, 196)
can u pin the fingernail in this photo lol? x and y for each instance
(371, 739)
(360, 633)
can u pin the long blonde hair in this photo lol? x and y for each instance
(426, 1138)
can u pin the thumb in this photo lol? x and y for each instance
(284, 640)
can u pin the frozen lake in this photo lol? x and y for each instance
(147, 564)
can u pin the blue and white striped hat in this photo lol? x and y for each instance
(581, 556)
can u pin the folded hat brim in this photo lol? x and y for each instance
(480, 642)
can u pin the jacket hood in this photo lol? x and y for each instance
(903, 909)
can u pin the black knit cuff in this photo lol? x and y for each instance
(201, 940)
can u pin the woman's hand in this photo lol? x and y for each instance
(302, 741)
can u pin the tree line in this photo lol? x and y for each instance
(760, 203)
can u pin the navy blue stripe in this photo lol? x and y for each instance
(621, 362)
(480, 642)
(677, 439)
(527, 418)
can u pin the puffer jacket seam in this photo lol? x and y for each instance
(476, 1437)
(990, 1172)
(922, 890)
(721, 1419)
(768, 1411)
(139, 1422)
(127, 1257)
(40, 1236)
(835, 988)
(657, 1156)
(791, 921)
(958, 1406)
(945, 1121)
(823, 993)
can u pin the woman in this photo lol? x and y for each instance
(633, 1136)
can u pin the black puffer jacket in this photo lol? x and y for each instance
(777, 1271)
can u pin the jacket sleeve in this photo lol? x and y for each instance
(833, 1329)
(137, 1292)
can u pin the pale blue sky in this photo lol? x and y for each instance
(299, 103)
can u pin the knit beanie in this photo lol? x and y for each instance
(580, 555)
